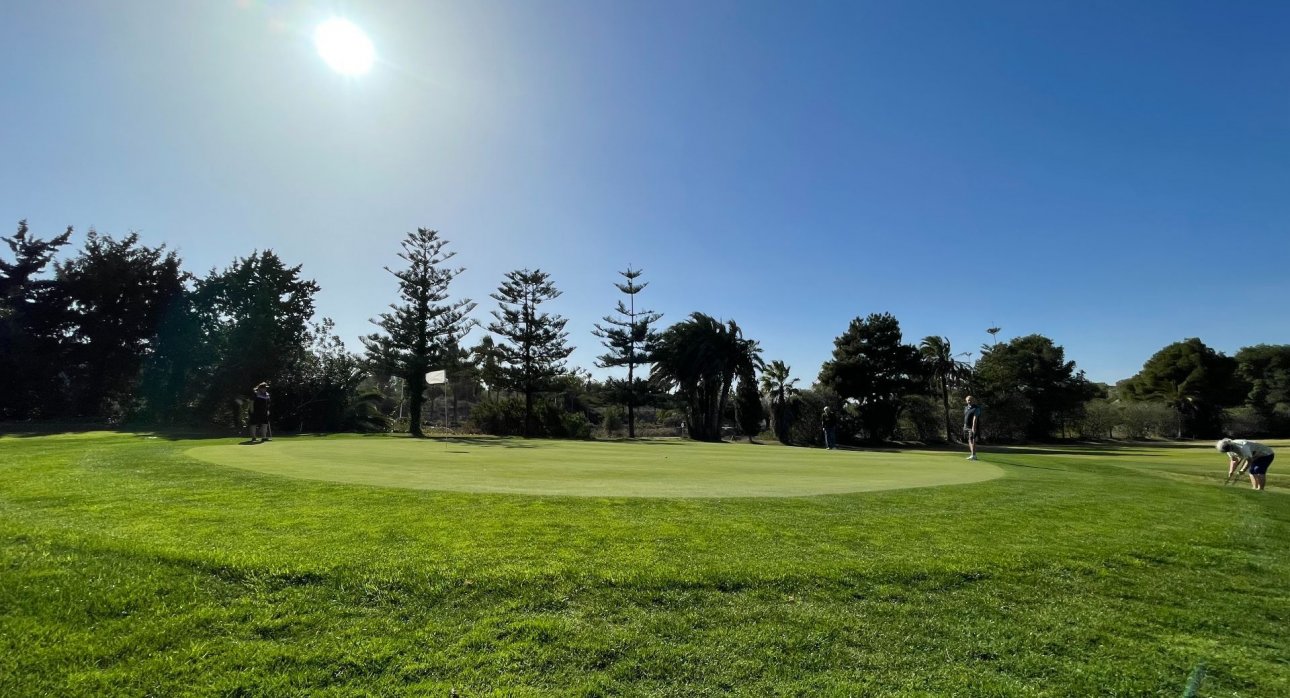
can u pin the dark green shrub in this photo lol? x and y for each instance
(499, 416)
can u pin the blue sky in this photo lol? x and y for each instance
(1113, 175)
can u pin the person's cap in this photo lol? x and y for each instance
(1223, 445)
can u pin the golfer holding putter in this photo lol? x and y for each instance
(1244, 455)
(260, 413)
(972, 425)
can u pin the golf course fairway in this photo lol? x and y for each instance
(645, 468)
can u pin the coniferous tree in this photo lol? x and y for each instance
(255, 319)
(28, 319)
(1266, 369)
(170, 382)
(115, 295)
(533, 351)
(29, 343)
(486, 357)
(629, 339)
(18, 282)
(874, 367)
(1028, 388)
(1193, 379)
(421, 328)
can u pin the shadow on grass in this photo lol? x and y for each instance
(1094, 449)
(650, 441)
(30, 430)
(1041, 451)
(991, 459)
(483, 441)
(865, 449)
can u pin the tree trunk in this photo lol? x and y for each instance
(415, 401)
(779, 413)
(697, 414)
(945, 398)
(716, 413)
(631, 399)
(528, 410)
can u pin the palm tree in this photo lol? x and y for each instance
(943, 370)
(700, 358)
(777, 386)
(739, 357)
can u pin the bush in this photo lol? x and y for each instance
(1147, 420)
(1243, 421)
(499, 416)
(1278, 420)
(575, 425)
(1006, 420)
(803, 412)
(504, 416)
(922, 419)
(1099, 420)
(615, 420)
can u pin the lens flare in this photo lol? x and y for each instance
(344, 47)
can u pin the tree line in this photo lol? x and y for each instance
(119, 332)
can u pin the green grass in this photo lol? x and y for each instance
(652, 468)
(129, 567)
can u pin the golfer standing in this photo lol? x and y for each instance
(1251, 455)
(829, 423)
(971, 425)
(260, 412)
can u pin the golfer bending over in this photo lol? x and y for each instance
(1247, 454)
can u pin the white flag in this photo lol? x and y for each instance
(436, 377)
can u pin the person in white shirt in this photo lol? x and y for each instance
(1250, 455)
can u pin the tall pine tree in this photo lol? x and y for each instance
(533, 351)
(424, 325)
(629, 339)
(29, 344)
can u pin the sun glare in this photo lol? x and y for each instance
(344, 46)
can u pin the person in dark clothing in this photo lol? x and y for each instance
(260, 413)
(829, 422)
(972, 425)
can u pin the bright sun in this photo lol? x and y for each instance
(344, 46)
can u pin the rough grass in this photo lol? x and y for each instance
(131, 568)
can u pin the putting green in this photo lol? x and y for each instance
(649, 468)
